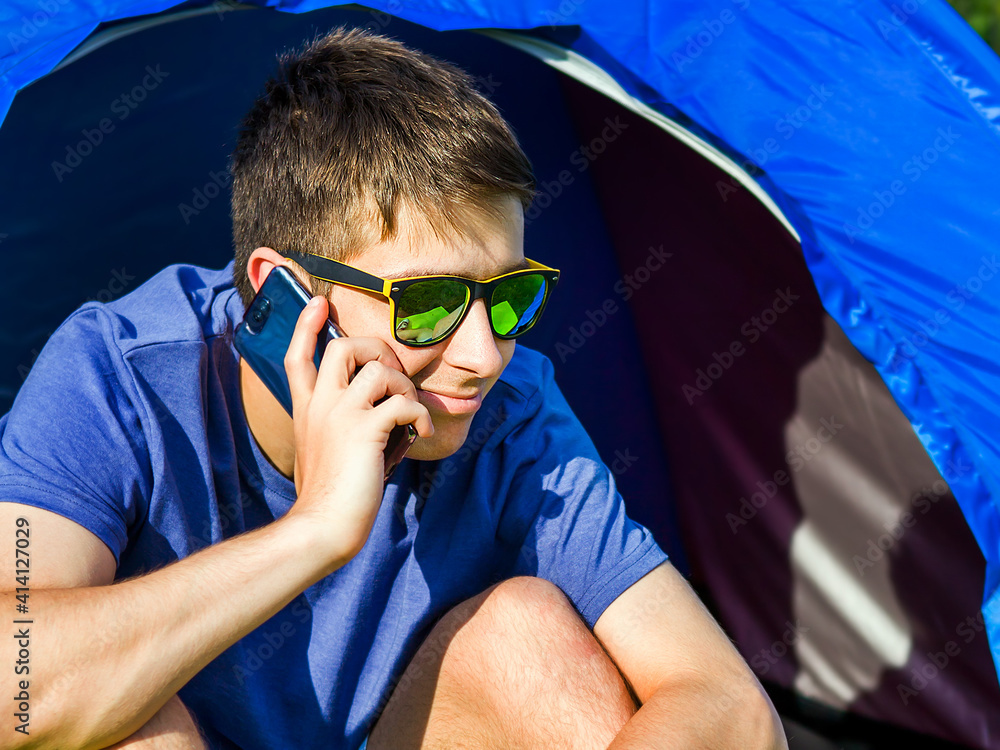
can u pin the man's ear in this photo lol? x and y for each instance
(264, 259)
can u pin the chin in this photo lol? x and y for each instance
(446, 441)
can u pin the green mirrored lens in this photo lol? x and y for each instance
(516, 303)
(428, 310)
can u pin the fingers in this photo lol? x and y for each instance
(407, 411)
(299, 365)
(376, 380)
(345, 356)
(379, 372)
(376, 383)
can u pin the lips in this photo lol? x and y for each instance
(451, 404)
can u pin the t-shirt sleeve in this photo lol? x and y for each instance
(564, 512)
(73, 442)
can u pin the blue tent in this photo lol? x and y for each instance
(856, 136)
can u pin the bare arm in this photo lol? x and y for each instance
(694, 688)
(105, 658)
(74, 557)
(173, 727)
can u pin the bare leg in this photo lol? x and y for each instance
(171, 728)
(514, 667)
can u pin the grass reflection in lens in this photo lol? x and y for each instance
(427, 310)
(516, 303)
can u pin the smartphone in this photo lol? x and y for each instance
(263, 337)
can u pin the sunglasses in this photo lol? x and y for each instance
(428, 309)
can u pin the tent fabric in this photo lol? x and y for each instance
(121, 206)
(793, 469)
(872, 126)
(875, 129)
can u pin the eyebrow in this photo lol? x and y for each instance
(407, 272)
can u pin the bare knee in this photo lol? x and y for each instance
(507, 611)
(533, 616)
(525, 646)
(515, 666)
(527, 595)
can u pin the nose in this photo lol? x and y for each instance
(473, 346)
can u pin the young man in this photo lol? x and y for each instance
(267, 589)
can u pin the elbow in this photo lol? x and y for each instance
(62, 737)
(57, 723)
(48, 735)
(760, 724)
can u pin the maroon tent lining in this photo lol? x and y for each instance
(729, 257)
(732, 259)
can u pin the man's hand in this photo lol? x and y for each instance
(340, 434)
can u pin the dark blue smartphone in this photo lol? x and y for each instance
(263, 337)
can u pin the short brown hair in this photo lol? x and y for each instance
(350, 126)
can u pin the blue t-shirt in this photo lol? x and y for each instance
(130, 423)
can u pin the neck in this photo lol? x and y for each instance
(268, 421)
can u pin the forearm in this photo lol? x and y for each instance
(700, 713)
(105, 659)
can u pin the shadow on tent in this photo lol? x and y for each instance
(686, 325)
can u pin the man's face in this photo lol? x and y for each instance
(469, 361)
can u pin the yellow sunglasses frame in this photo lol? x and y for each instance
(342, 274)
